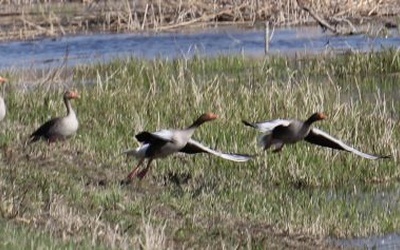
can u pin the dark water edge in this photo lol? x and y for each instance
(387, 198)
(389, 241)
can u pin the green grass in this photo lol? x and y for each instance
(296, 198)
(21, 237)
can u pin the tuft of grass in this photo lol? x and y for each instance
(70, 191)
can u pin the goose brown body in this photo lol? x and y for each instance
(59, 128)
(289, 133)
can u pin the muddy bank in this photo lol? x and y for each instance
(58, 18)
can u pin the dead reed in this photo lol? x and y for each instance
(29, 19)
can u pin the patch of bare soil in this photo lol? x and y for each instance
(35, 19)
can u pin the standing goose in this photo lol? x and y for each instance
(166, 142)
(279, 132)
(59, 128)
(3, 107)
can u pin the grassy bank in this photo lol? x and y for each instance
(36, 19)
(70, 192)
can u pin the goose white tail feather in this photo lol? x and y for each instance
(139, 152)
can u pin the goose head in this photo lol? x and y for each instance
(316, 117)
(69, 94)
(3, 80)
(206, 117)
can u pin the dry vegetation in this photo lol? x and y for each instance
(33, 19)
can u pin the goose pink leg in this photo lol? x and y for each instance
(133, 173)
(143, 173)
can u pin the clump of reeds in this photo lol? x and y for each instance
(32, 20)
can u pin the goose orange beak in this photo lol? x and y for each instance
(211, 116)
(322, 116)
(3, 80)
(73, 95)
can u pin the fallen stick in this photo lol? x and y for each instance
(200, 19)
(324, 24)
(38, 27)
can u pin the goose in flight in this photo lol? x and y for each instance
(279, 132)
(166, 142)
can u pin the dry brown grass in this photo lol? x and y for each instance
(29, 19)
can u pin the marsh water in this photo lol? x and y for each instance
(385, 198)
(85, 49)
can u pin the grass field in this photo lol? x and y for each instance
(68, 195)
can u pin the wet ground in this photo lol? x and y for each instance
(385, 198)
(391, 241)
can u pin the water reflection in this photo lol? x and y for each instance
(378, 197)
(390, 241)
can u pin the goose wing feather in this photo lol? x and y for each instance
(43, 130)
(194, 147)
(321, 138)
(162, 135)
(268, 126)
